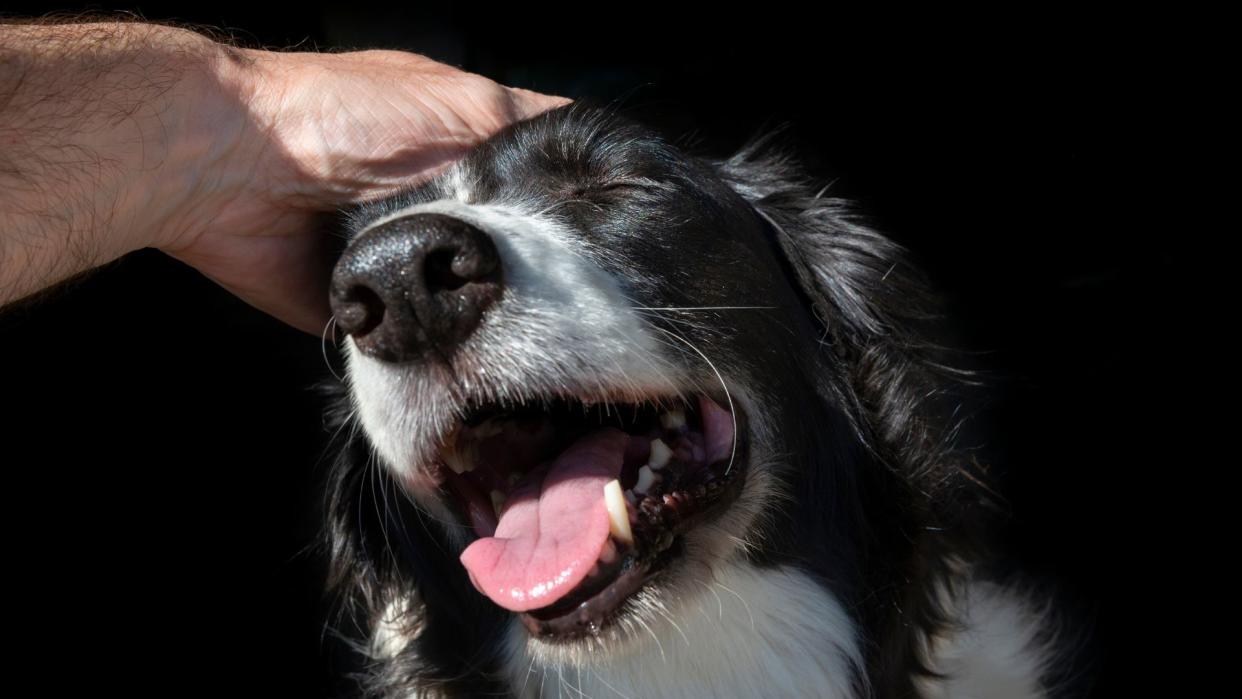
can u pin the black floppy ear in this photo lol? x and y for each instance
(874, 308)
(859, 283)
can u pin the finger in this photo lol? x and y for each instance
(528, 103)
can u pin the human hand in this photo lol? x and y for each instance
(120, 136)
(326, 130)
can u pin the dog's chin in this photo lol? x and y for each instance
(650, 612)
(533, 482)
(689, 571)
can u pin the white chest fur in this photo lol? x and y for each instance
(751, 633)
(777, 633)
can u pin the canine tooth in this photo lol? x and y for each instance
(660, 454)
(646, 479)
(618, 517)
(498, 501)
(673, 420)
(456, 461)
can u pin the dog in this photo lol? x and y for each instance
(622, 421)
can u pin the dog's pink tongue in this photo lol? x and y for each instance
(552, 531)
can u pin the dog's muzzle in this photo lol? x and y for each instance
(415, 285)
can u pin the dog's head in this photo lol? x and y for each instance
(601, 368)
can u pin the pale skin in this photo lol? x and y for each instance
(117, 137)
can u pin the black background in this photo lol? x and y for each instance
(167, 441)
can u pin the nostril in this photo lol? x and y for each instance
(358, 311)
(439, 274)
(415, 284)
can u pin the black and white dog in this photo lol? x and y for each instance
(625, 422)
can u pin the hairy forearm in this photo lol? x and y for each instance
(99, 126)
(115, 137)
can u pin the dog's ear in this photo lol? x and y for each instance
(859, 284)
(895, 381)
(874, 307)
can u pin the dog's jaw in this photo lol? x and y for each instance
(563, 326)
(744, 632)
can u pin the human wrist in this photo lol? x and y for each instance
(208, 151)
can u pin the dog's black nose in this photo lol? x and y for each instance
(415, 284)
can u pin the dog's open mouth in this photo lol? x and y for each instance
(576, 506)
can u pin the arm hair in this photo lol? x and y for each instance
(93, 116)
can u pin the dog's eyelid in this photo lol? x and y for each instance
(642, 183)
(618, 186)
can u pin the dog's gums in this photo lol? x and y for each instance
(577, 505)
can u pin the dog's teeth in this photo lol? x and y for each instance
(646, 479)
(660, 454)
(456, 461)
(454, 464)
(618, 517)
(673, 419)
(498, 502)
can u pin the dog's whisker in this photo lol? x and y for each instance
(600, 676)
(745, 604)
(579, 690)
(659, 609)
(323, 346)
(705, 308)
(529, 669)
(723, 385)
(719, 602)
(377, 476)
(691, 323)
(654, 637)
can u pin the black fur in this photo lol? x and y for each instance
(882, 504)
